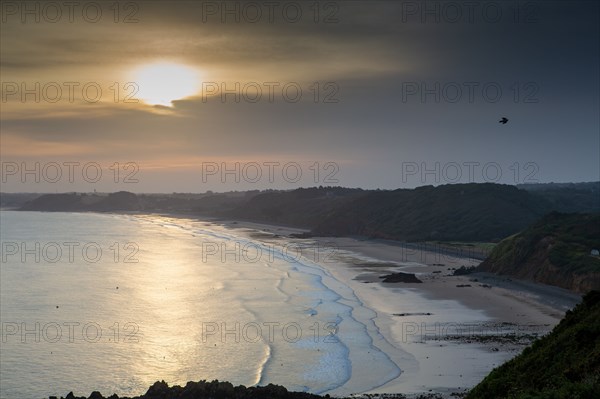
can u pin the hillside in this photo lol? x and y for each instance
(126, 201)
(119, 201)
(568, 197)
(454, 212)
(304, 207)
(460, 212)
(555, 250)
(16, 200)
(564, 364)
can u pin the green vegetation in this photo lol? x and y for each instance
(555, 250)
(568, 197)
(304, 207)
(456, 212)
(565, 364)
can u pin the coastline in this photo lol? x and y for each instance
(462, 327)
(548, 300)
(449, 331)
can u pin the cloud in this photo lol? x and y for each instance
(369, 54)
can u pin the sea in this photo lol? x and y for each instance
(113, 303)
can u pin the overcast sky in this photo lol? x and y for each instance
(372, 94)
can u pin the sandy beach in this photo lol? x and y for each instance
(352, 332)
(455, 329)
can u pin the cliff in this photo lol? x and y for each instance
(556, 250)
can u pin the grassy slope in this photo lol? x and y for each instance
(555, 250)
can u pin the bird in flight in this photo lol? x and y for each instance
(503, 120)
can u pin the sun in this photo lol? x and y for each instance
(162, 83)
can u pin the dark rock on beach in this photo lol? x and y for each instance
(400, 278)
(413, 314)
(464, 270)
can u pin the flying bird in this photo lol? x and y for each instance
(503, 120)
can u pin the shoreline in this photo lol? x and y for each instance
(480, 318)
(487, 325)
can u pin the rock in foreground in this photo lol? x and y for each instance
(225, 390)
(207, 390)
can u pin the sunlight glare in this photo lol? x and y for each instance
(162, 83)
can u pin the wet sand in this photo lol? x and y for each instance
(456, 328)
